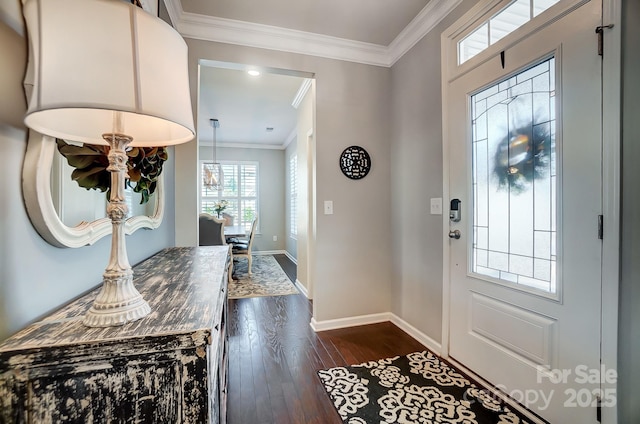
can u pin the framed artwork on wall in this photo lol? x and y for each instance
(355, 162)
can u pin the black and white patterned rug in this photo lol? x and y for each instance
(267, 279)
(417, 388)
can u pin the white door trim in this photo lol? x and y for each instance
(311, 207)
(611, 84)
(610, 183)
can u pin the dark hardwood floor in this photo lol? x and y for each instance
(274, 355)
(288, 266)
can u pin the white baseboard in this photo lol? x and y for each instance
(267, 252)
(302, 288)
(291, 258)
(334, 324)
(430, 344)
(274, 252)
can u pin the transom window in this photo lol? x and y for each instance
(240, 190)
(508, 19)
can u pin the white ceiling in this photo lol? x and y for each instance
(246, 106)
(375, 32)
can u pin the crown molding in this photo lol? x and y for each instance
(302, 91)
(430, 16)
(292, 136)
(281, 39)
(251, 146)
(233, 145)
(268, 37)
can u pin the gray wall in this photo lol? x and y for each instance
(271, 182)
(352, 107)
(36, 277)
(416, 164)
(629, 313)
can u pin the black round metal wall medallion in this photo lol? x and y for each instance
(355, 162)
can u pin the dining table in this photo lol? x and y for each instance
(234, 231)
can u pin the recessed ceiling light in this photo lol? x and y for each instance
(253, 73)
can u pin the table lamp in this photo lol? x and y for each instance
(107, 72)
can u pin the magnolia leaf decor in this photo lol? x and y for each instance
(90, 162)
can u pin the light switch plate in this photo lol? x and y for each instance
(436, 206)
(328, 207)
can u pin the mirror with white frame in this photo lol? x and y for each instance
(39, 189)
(67, 215)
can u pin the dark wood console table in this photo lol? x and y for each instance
(169, 367)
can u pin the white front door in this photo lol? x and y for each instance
(525, 163)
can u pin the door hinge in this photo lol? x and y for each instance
(600, 227)
(599, 31)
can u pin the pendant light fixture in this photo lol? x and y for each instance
(213, 177)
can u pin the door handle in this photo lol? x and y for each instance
(455, 234)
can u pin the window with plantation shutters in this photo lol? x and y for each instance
(293, 193)
(240, 190)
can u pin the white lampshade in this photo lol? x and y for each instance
(93, 58)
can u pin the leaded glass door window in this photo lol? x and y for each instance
(514, 179)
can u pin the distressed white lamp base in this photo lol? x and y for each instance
(118, 301)
(117, 304)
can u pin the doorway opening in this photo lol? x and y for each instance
(264, 116)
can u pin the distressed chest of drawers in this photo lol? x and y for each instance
(169, 367)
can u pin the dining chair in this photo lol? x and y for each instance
(242, 248)
(211, 231)
(212, 234)
(228, 219)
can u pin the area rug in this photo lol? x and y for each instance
(267, 279)
(417, 388)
